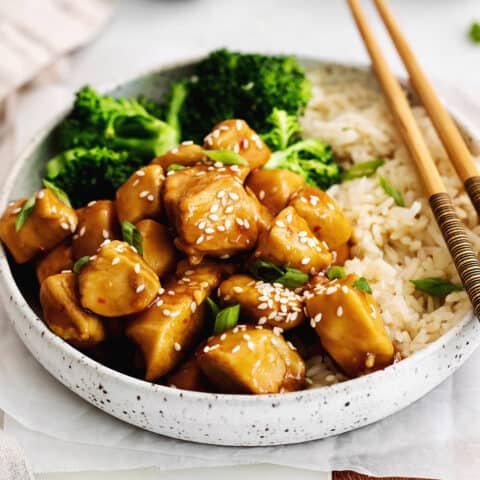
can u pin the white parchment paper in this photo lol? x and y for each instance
(437, 437)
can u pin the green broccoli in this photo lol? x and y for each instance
(119, 124)
(236, 85)
(91, 173)
(310, 158)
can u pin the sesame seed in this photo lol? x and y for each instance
(209, 230)
(65, 226)
(262, 320)
(236, 148)
(137, 268)
(250, 346)
(221, 194)
(344, 289)
(202, 225)
(233, 196)
(229, 209)
(166, 312)
(214, 208)
(105, 233)
(82, 231)
(237, 289)
(135, 182)
(143, 194)
(170, 292)
(244, 143)
(200, 239)
(238, 125)
(216, 133)
(140, 288)
(161, 291)
(331, 206)
(140, 173)
(277, 331)
(262, 306)
(115, 260)
(40, 194)
(239, 221)
(193, 307)
(305, 260)
(339, 311)
(213, 217)
(92, 203)
(150, 198)
(177, 346)
(223, 336)
(279, 223)
(159, 302)
(261, 194)
(290, 344)
(17, 210)
(187, 142)
(236, 348)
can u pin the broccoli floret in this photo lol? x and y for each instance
(284, 129)
(119, 124)
(236, 85)
(87, 174)
(312, 158)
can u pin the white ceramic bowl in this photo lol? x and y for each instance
(215, 418)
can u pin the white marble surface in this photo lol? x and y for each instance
(145, 33)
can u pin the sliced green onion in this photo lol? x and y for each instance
(131, 235)
(226, 318)
(436, 287)
(336, 271)
(58, 192)
(227, 157)
(364, 169)
(24, 213)
(269, 272)
(474, 32)
(391, 191)
(80, 263)
(213, 306)
(362, 285)
(175, 167)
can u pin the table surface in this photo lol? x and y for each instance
(150, 33)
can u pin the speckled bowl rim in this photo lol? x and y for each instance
(14, 294)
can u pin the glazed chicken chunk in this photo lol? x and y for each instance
(324, 217)
(171, 326)
(212, 213)
(236, 135)
(96, 223)
(50, 221)
(349, 324)
(189, 376)
(55, 261)
(186, 154)
(117, 281)
(139, 197)
(274, 188)
(251, 360)
(65, 316)
(290, 242)
(263, 303)
(158, 250)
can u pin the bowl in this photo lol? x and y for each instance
(219, 419)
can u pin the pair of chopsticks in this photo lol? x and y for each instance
(452, 228)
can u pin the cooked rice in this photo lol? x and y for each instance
(391, 244)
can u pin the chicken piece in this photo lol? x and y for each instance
(323, 215)
(350, 326)
(236, 135)
(212, 213)
(139, 197)
(202, 279)
(265, 218)
(289, 242)
(189, 376)
(186, 154)
(274, 188)
(96, 223)
(117, 281)
(263, 303)
(64, 315)
(341, 254)
(49, 223)
(251, 360)
(55, 261)
(158, 250)
(171, 326)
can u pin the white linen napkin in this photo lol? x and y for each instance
(437, 437)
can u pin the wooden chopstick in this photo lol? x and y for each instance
(452, 228)
(448, 132)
